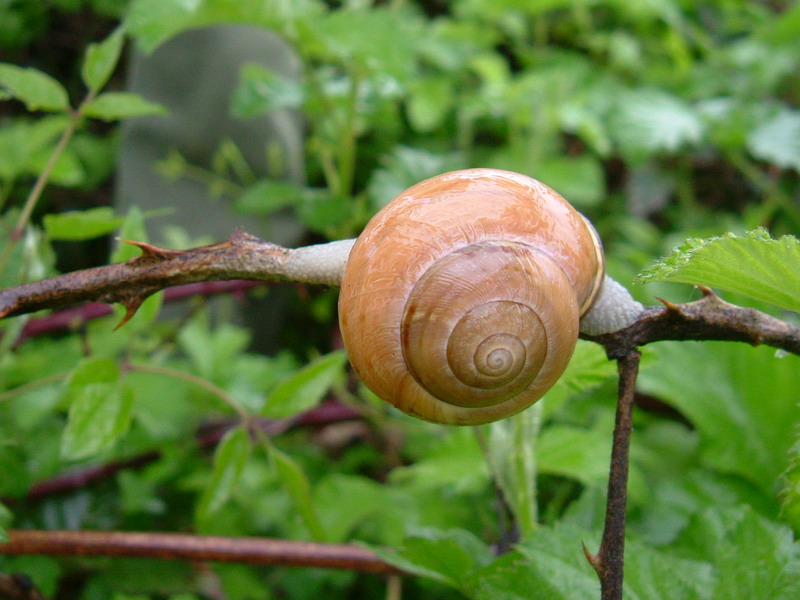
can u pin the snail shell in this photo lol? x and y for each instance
(460, 302)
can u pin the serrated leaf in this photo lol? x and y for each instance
(305, 388)
(752, 557)
(101, 59)
(37, 90)
(230, 458)
(261, 90)
(113, 106)
(296, 484)
(753, 265)
(778, 140)
(729, 391)
(445, 556)
(82, 224)
(100, 409)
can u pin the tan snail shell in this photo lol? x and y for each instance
(460, 301)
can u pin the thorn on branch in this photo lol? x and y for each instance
(671, 306)
(151, 252)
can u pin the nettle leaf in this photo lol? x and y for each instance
(752, 557)
(732, 392)
(754, 265)
(100, 409)
(648, 122)
(550, 562)
(261, 90)
(113, 106)
(101, 59)
(305, 388)
(230, 458)
(445, 556)
(37, 90)
(778, 140)
(82, 224)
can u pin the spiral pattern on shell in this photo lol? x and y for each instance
(461, 299)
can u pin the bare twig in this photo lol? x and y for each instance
(609, 561)
(174, 546)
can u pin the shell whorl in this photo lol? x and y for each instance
(460, 301)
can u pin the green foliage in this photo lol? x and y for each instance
(229, 461)
(662, 121)
(99, 408)
(37, 90)
(753, 265)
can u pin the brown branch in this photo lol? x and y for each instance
(609, 561)
(709, 318)
(243, 256)
(175, 546)
(73, 317)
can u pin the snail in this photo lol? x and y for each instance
(462, 299)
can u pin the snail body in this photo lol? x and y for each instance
(460, 302)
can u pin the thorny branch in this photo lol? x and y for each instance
(246, 257)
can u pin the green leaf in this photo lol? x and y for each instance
(579, 179)
(113, 106)
(152, 22)
(296, 483)
(778, 140)
(306, 388)
(431, 100)
(5, 520)
(100, 409)
(334, 39)
(37, 90)
(647, 122)
(570, 451)
(82, 224)
(445, 556)
(753, 265)
(267, 196)
(230, 458)
(261, 90)
(752, 557)
(132, 229)
(741, 400)
(101, 59)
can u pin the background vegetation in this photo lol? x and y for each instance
(659, 120)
